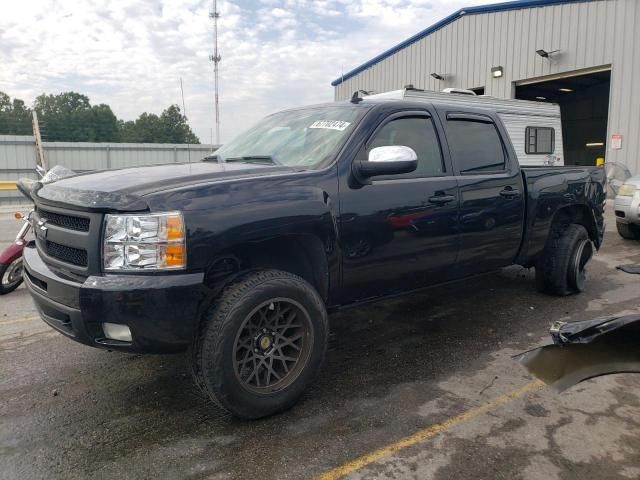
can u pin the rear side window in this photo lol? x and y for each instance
(417, 133)
(475, 146)
(539, 140)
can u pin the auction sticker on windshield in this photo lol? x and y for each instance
(330, 124)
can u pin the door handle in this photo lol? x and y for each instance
(441, 199)
(510, 193)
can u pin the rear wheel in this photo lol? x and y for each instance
(628, 231)
(561, 269)
(10, 276)
(261, 344)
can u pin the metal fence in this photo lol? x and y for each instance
(18, 158)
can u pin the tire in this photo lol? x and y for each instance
(561, 268)
(10, 276)
(246, 358)
(627, 231)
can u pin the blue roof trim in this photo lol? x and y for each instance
(495, 7)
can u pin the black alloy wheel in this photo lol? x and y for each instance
(261, 343)
(273, 346)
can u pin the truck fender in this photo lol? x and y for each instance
(266, 229)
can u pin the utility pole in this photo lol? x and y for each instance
(215, 58)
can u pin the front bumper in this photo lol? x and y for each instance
(627, 209)
(161, 311)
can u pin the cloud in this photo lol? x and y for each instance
(131, 54)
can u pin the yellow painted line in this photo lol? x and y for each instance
(19, 320)
(427, 433)
(7, 185)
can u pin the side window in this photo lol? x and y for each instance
(417, 133)
(475, 146)
(539, 140)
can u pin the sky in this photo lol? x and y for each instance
(131, 54)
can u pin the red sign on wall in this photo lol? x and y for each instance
(616, 141)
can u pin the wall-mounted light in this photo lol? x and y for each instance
(595, 144)
(497, 72)
(566, 90)
(437, 76)
(544, 54)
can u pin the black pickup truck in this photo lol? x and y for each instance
(238, 259)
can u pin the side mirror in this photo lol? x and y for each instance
(388, 160)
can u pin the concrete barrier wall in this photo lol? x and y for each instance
(18, 158)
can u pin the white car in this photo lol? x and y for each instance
(627, 209)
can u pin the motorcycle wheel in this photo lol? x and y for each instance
(10, 276)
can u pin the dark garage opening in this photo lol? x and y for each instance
(584, 106)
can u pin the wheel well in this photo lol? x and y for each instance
(579, 214)
(303, 255)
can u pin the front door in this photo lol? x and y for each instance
(399, 232)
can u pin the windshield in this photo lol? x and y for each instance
(306, 138)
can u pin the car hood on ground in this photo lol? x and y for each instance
(124, 189)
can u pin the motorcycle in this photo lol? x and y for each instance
(11, 256)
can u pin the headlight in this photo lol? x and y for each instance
(627, 190)
(144, 242)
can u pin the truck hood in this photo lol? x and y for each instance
(124, 189)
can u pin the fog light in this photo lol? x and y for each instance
(115, 331)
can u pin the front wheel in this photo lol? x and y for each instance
(261, 344)
(10, 276)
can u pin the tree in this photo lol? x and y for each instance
(128, 132)
(175, 128)
(70, 117)
(106, 124)
(5, 102)
(15, 118)
(170, 127)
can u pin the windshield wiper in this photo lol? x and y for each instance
(262, 159)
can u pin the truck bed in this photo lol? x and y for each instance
(550, 189)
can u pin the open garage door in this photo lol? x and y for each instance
(584, 107)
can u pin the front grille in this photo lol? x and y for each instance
(80, 224)
(75, 256)
(68, 240)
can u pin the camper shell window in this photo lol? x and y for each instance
(539, 140)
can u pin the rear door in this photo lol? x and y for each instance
(492, 204)
(400, 232)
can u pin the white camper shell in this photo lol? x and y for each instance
(535, 128)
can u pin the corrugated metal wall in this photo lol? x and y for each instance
(18, 157)
(597, 33)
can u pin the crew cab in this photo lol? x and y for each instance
(239, 259)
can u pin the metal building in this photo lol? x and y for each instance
(581, 54)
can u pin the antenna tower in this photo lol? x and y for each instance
(215, 58)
